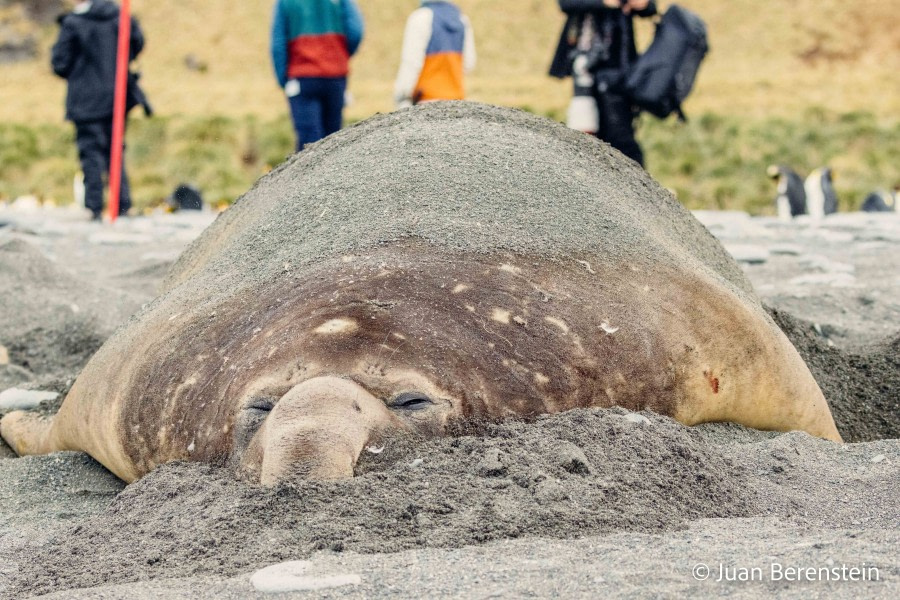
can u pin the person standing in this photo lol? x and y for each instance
(438, 50)
(311, 45)
(596, 48)
(85, 56)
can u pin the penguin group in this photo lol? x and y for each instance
(816, 196)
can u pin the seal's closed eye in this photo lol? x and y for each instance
(411, 401)
(260, 404)
(248, 422)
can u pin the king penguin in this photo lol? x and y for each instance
(821, 198)
(791, 199)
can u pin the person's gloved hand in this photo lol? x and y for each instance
(292, 88)
(632, 5)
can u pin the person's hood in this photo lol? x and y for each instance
(100, 10)
(449, 25)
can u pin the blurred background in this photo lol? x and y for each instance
(807, 83)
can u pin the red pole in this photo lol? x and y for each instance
(118, 129)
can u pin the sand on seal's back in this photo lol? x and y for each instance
(461, 176)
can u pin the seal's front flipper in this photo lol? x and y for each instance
(28, 433)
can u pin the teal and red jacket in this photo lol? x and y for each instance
(314, 38)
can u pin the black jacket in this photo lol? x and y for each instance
(609, 19)
(85, 55)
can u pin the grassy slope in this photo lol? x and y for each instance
(806, 81)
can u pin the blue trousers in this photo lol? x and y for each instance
(318, 109)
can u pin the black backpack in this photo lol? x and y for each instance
(662, 77)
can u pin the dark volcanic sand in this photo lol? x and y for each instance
(862, 385)
(51, 322)
(581, 473)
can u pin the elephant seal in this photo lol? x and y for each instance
(448, 262)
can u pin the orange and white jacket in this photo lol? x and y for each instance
(438, 49)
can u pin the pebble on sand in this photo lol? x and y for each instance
(491, 464)
(292, 576)
(17, 399)
(572, 459)
(637, 419)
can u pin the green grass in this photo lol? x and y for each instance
(713, 161)
(716, 162)
(220, 155)
(754, 104)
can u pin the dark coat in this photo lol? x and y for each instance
(85, 55)
(612, 18)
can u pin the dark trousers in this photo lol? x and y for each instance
(318, 109)
(617, 125)
(94, 141)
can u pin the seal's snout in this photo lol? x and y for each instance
(319, 428)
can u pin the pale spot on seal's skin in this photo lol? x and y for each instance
(511, 269)
(399, 336)
(460, 288)
(470, 308)
(347, 259)
(558, 323)
(605, 326)
(501, 316)
(541, 379)
(336, 326)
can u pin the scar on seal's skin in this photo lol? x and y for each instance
(713, 381)
(501, 316)
(559, 323)
(335, 326)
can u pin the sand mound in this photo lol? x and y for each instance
(862, 387)
(579, 473)
(51, 323)
(576, 474)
